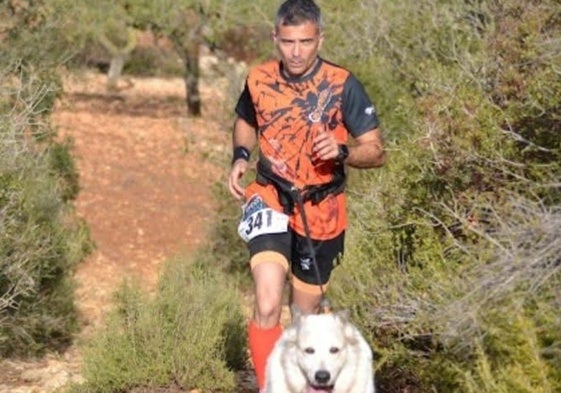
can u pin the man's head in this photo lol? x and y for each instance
(298, 35)
(296, 12)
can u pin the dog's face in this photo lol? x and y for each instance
(321, 343)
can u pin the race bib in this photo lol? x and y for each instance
(259, 219)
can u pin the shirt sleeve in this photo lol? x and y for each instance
(359, 113)
(245, 108)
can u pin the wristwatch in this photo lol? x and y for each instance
(343, 153)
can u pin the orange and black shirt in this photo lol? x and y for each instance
(288, 113)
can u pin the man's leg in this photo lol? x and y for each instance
(269, 277)
(308, 285)
(305, 296)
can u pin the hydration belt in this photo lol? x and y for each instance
(289, 194)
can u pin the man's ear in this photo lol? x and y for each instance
(274, 35)
(321, 37)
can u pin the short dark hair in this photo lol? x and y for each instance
(296, 12)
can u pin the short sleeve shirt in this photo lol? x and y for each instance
(288, 113)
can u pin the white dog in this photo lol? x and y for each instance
(320, 353)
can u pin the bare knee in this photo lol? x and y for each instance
(269, 280)
(307, 302)
(267, 311)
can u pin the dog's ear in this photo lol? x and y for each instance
(344, 315)
(351, 332)
(296, 312)
(290, 334)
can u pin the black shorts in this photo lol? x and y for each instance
(296, 250)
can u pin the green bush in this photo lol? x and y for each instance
(450, 263)
(192, 333)
(231, 255)
(154, 61)
(41, 241)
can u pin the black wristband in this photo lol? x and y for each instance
(343, 153)
(240, 152)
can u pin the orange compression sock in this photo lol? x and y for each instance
(261, 343)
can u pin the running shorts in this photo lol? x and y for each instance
(295, 248)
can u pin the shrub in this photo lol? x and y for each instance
(450, 262)
(229, 250)
(191, 334)
(41, 240)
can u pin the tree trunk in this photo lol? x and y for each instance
(118, 56)
(191, 78)
(187, 41)
(115, 71)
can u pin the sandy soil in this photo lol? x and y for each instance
(146, 172)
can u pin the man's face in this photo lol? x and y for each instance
(298, 47)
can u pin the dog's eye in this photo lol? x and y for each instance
(309, 351)
(333, 350)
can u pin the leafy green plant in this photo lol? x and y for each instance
(189, 334)
(41, 241)
(453, 240)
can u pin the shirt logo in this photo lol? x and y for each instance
(305, 263)
(370, 111)
(323, 100)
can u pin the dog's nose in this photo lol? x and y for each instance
(322, 377)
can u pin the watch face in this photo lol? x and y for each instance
(343, 152)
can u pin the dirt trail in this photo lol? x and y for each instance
(145, 172)
(145, 175)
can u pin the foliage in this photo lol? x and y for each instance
(153, 60)
(451, 267)
(230, 252)
(40, 239)
(190, 333)
(453, 247)
(447, 270)
(38, 36)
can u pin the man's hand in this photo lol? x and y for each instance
(367, 152)
(239, 168)
(244, 138)
(325, 147)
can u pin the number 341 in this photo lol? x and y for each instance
(255, 221)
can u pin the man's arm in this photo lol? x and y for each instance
(244, 136)
(368, 152)
(361, 120)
